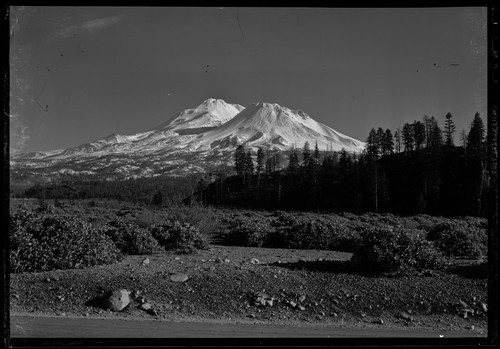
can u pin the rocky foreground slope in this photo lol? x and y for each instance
(259, 285)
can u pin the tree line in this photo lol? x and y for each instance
(415, 169)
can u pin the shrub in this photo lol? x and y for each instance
(41, 242)
(460, 239)
(178, 236)
(247, 232)
(306, 233)
(205, 219)
(287, 230)
(130, 238)
(392, 250)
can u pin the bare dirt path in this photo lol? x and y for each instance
(58, 327)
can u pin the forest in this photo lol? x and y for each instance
(417, 169)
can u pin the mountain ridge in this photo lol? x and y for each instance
(190, 141)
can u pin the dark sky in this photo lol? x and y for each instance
(81, 73)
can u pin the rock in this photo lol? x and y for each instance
(322, 313)
(146, 261)
(135, 294)
(471, 327)
(300, 307)
(334, 314)
(227, 260)
(146, 306)
(362, 314)
(336, 301)
(379, 321)
(180, 277)
(484, 307)
(463, 304)
(255, 261)
(176, 258)
(269, 302)
(302, 298)
(251, 316)
(117, 300)
(293, 304)
(47, 280)
(60, 298)
(404, 316)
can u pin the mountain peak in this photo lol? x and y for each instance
(211, 113)
(214, 101)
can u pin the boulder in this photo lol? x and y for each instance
(117, 300)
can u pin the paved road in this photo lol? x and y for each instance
(61, 327)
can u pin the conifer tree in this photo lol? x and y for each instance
(408, 137)
(449, 130)
(372, 145)
(293, 164)
(397, 137)
(240, 159)
(260, 160)
(380, 139)
(475, 139)
(249, 165)
(387, 143)
(306, 153)
(419, 134)
(316, 151)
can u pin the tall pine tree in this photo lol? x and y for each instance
(240, 159)
(408, 137)
(260, 160)
(449, 130)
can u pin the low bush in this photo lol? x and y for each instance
(460, 238)
(290, 230)
(43, 241)
(205, 219)
(395, 250)
(248, 232)
(183, 237)
(130, 238)
(305, 233)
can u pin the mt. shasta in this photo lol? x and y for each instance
(191, 141)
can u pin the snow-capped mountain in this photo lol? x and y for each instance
(209, 114)
(191, 141)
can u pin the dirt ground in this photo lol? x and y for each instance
(308, 288)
